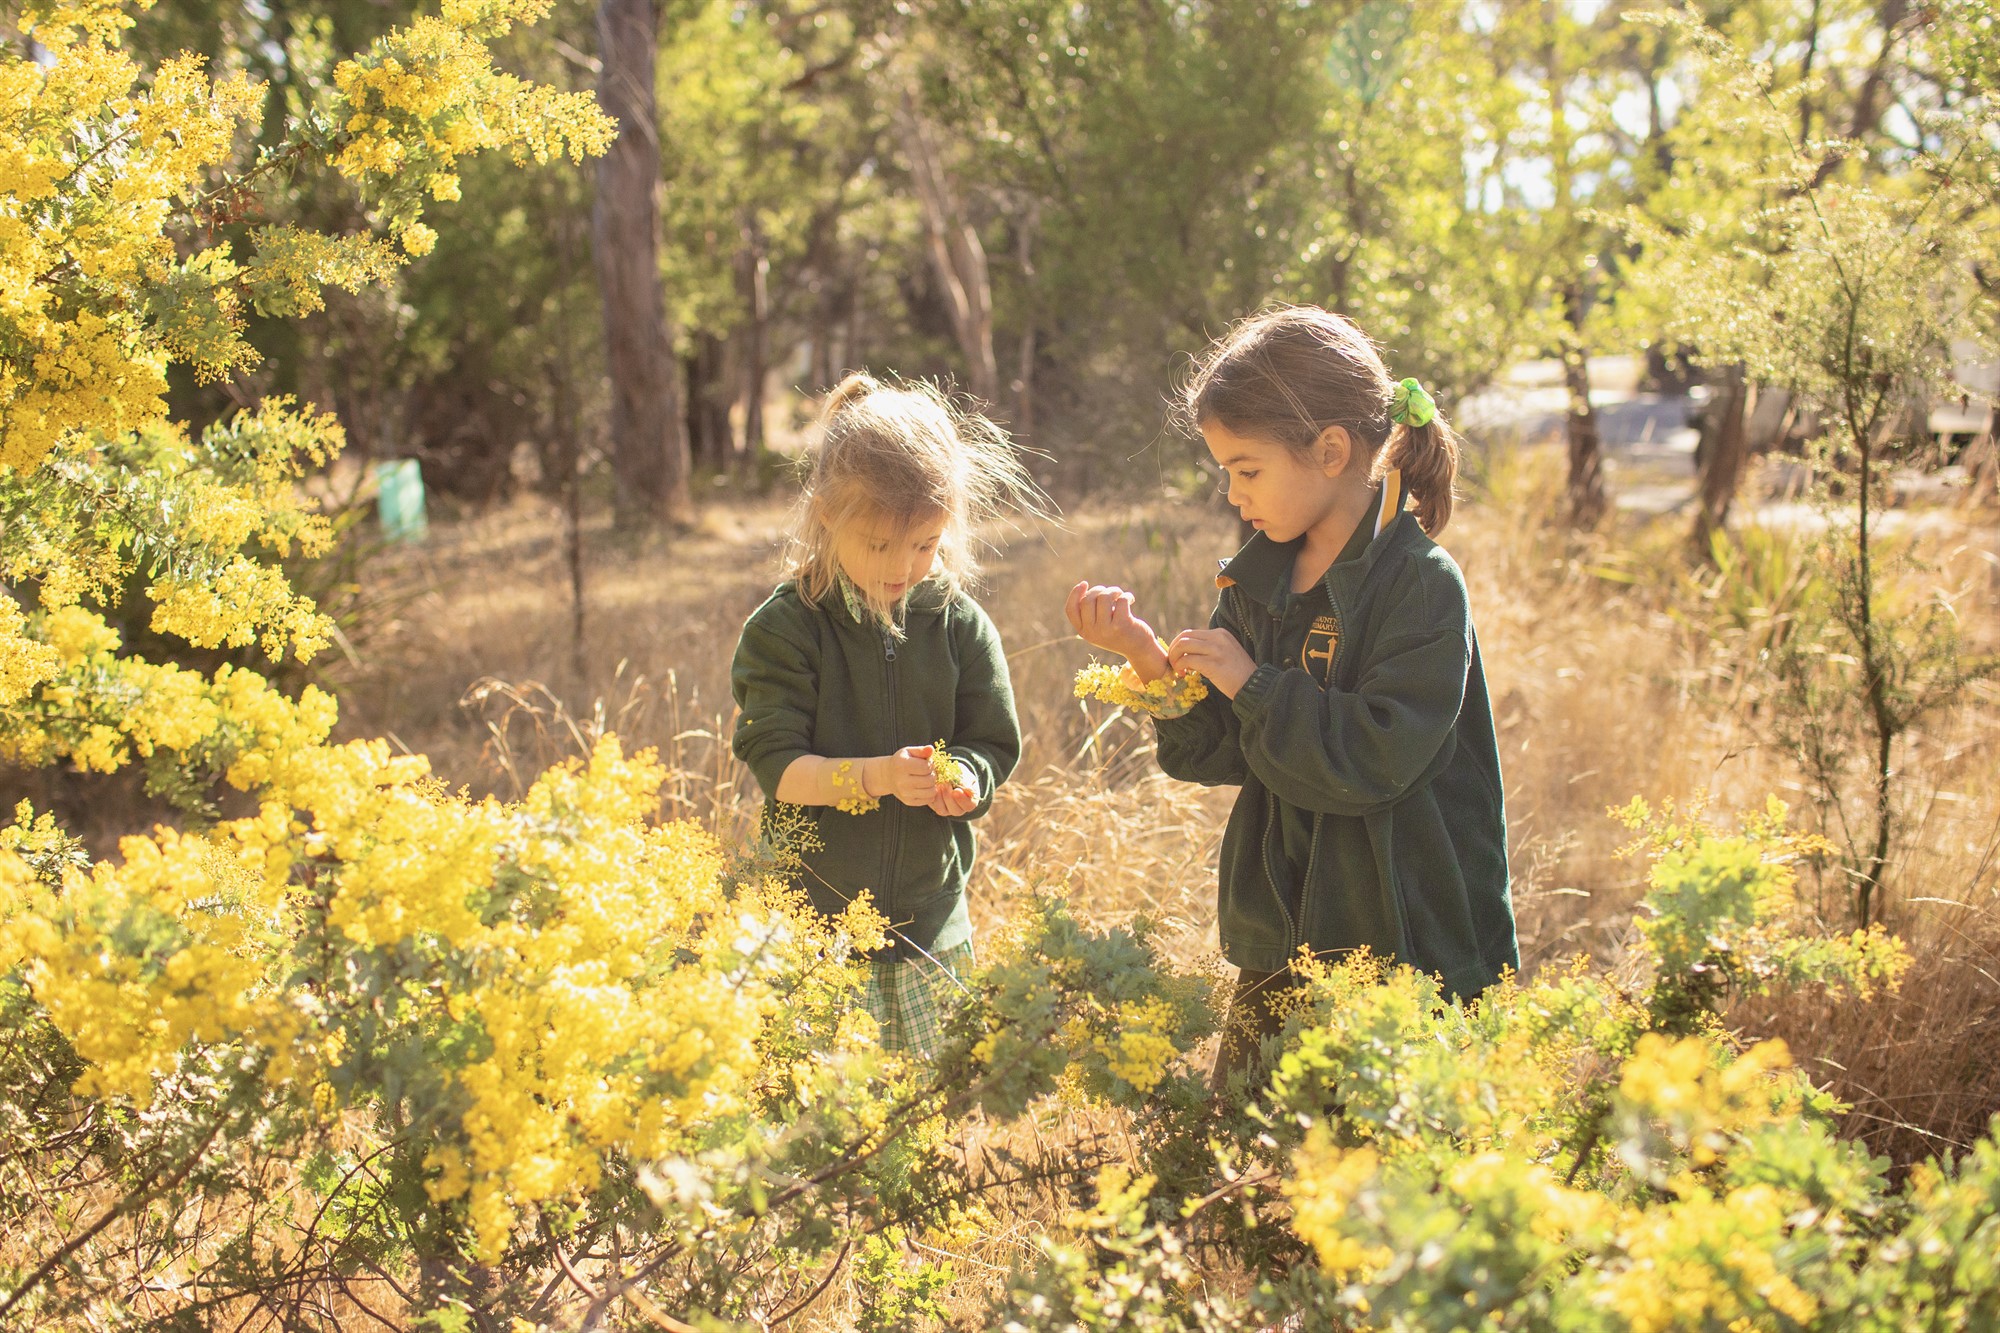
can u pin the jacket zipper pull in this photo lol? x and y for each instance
(888, 649)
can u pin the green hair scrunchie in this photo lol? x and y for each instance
(1409, 405)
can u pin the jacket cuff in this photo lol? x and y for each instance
(1254, 699)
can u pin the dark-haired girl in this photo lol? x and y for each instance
(1348, 699)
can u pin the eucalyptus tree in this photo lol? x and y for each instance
(1147, 168)
(774, 126)
(649, 450)
(1412, 233)
(1848, 287)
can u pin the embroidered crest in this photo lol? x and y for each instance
(1317, 654)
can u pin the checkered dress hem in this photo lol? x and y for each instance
(910, 1000)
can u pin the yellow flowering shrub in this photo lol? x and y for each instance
(1142, 1046)
(427, 95)
(112, 180)
(138, 959)
(1721, 915)
(1569, 1153)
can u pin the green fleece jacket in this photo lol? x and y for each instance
(1371, 812)
(811, 679)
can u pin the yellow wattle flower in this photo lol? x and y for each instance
(946, 769)
(1172, 695)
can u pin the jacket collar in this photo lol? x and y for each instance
(1263, 568)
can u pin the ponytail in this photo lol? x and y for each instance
(1427, 456)
(851, 390)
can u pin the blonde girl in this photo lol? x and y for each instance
(1349, 701)
(871, 650)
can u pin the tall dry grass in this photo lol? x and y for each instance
(1607, 682)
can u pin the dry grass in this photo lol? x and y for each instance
(1603, 688)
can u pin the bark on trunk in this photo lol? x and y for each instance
(752, 268)
(1587, 501)
(649, 451)
(1024, 375)
(1982, 463)
(1724, 441)
(957, 255)
(708, 397)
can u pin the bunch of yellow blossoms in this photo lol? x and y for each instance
(948, 771)
(427, 95)
(1171, 695)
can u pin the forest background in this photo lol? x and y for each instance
(339, 1040)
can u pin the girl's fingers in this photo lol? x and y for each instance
(1073, 607)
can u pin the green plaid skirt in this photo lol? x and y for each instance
(910, 1000)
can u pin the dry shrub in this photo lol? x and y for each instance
(1920, 1067)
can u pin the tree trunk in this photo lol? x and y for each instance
(957, 255)
(1024, 374)
(1724, 441)
(649, 451)
(708, 398)
(1982, 463)
(1587, 501)
(752, 268)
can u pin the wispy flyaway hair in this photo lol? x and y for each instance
(896, 454)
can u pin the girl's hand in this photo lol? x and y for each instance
(1216, 654)
(951, 802)
(905, 775)
(1102, 617)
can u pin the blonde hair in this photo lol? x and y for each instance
(900, 453)
(1289, 372)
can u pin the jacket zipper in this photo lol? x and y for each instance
(891, 845)
(1319, 820)
(1271, 875)
(1269, 645)
(1339, 636)
(1312, 855)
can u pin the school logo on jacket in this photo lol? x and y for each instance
(1317, 655)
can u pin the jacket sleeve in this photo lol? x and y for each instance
(1205, 744)
(1351, 752)
(775, 678)
(986, 734)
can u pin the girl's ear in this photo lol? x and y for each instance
(1334, 450)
